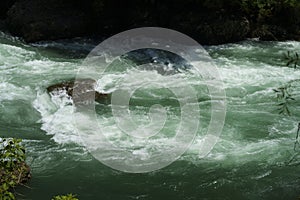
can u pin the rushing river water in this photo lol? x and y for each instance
(254, 158)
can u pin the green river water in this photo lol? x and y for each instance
(254, 158)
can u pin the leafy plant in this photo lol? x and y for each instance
(297, 136)
(13, 169)
(65, 197)
(292, 59)
(284, 97)
(283, 94)
(271, 11)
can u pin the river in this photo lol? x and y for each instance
(253, 159)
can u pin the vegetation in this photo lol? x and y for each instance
(13, 169)
(280, 19)
(267, 9)
(65, 197)
(284, 97)
(259, 10)
(283, 93)
(297, 136)
(292, 59)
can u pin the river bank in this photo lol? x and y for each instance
(209, 22)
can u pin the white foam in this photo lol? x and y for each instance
(10, 91)
(57, 117)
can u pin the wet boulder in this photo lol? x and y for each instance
(86, 90)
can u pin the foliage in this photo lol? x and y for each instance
(297, 136)
(12, 166)
(13, 169)
(276, 12)
(263, 10)
(65, 197)
(292, 59)
(284, 97)
(283, 93)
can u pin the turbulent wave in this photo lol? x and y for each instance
(251, 118)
